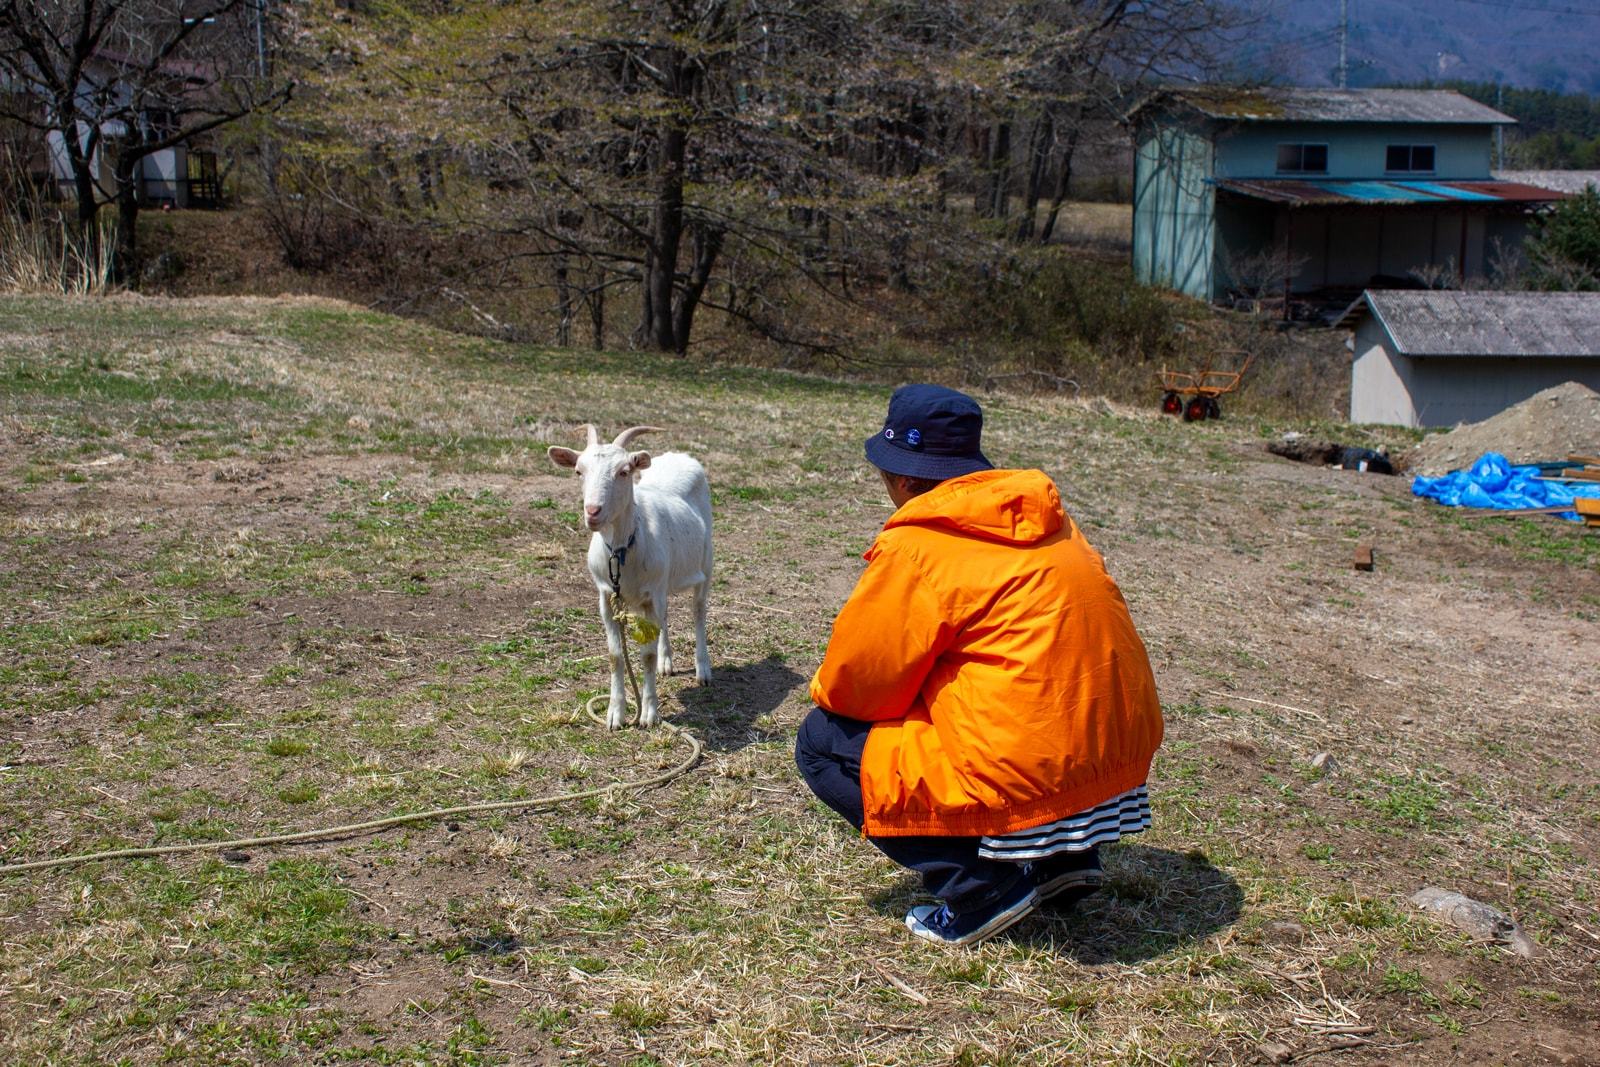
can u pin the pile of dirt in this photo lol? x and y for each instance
(1563, 419)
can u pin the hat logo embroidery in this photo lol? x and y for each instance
(888, 431)
(913, 437)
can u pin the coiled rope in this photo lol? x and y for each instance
(372, 825)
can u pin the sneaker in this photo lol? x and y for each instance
(936, 922)
(1066, 879)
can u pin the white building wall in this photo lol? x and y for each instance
(1380, 381)
(1396, 390)
(165, 175)
(1450, 391)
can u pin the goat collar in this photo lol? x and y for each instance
(617, 559)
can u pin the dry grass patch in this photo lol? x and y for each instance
(333, 577)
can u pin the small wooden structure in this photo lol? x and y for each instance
(1442, 357)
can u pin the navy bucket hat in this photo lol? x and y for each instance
(931, 432)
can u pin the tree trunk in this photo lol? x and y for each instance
(597, 313)
(899, 273)
(1000, 172)
(646, 312)
(1038, 157)
(83, 186)
(1063, 183)
(563, 304)
(125, 257)
(707, 244)
(666, 235)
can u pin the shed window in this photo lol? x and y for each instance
(1409, 159)
(1302, 159)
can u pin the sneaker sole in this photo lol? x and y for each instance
(1004, 921)
(1087, 881)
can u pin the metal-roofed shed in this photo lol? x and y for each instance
(1308, 196)
(1437, 358)
(1430, 106)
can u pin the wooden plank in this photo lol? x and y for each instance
(1553, 509)
(1587, 506)
(1363, 558)
(1581, 474)
(1583, 461)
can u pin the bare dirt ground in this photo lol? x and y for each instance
(271, 564)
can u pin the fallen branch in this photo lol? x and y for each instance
(898, 983)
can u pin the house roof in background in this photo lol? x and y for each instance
(1564, 181)
(1298, 192)
(1330, 105)
(1433, 322)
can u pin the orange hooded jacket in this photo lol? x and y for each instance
(997, 661)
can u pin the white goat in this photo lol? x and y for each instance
(652, 536)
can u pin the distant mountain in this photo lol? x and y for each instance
(1535, 44)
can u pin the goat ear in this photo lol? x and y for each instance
(563, 457)
(638, 460)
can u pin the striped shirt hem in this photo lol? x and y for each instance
(1124, 814)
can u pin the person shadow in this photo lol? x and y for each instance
(1154, 901)
(734, 710)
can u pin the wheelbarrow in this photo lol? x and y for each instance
(1193, 394)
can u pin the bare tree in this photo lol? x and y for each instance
(115, 81)
(723, 154)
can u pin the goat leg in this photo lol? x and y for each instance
(702, 657)
(617, 709)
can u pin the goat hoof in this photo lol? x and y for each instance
(650, 719)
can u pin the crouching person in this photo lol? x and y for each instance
(986, 714)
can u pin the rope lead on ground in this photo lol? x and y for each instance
(350, 829)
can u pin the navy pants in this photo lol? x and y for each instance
(828, 752)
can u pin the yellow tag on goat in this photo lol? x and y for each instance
(642, 630)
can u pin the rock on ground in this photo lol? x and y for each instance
(1476, 919)
(1550, 425)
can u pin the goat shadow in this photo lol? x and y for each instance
(1154, 901)
(725, 714)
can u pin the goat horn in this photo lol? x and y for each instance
(594, 434)
(626, 437)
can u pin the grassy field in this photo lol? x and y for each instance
(269, 564)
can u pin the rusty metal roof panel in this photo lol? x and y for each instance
(1332, 105)
(1297, 192)
(1436, 323)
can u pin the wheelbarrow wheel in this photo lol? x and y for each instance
(1195, 409)
(1213, 409)
(1171, 404)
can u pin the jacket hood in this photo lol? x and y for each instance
(1013, 506)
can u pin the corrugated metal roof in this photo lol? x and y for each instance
(1332, 105)
(1303, 191)
(1435, 322)
(1562, 181)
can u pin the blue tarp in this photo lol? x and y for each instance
(1493, 482)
